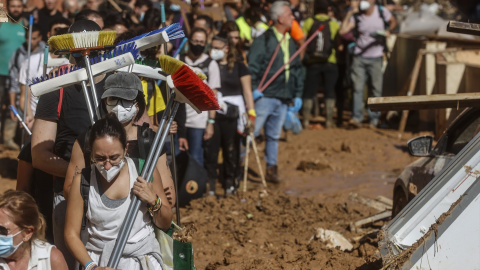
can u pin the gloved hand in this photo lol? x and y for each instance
(297, 105)
(257, 95)
(252, 115)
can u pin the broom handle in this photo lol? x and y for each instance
(88, 101)
(147, 172)
(88, 67)
(271, 61)
(291, 59)
(45, 60)
(172, 138)
(27, 88)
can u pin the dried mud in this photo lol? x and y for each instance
(273, 230)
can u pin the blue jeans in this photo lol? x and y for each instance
(195, 143)
(271, 114)
(366, 70)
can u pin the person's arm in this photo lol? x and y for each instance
(393, 24)
(12, 98)
(347, 23)
(167, 179)
(24, 176)
(247, 91)
(73, 223)
(22, 98)
(209, 129)
(77, 163)
(57, 261)
(43, 140)
(255, 60)
(147, 193)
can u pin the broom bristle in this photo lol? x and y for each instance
(172, 65)
(194, 89)
(86, 39)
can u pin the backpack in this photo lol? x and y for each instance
(145, 141)
(203, 66)
(320, 49)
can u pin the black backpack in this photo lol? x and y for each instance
(320, 48)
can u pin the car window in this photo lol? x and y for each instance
(463, 133)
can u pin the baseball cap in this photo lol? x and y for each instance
(122, 85)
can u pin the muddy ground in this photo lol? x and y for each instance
(274, 229)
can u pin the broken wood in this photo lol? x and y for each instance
(379, 205)
(384, 200)
(425, 102)
(380, 216)
(464, 28)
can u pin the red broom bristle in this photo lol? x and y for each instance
(194, 89)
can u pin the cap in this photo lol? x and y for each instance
(122, 85)
(83, 25)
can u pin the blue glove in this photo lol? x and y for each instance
(257, 95)
(297, 105)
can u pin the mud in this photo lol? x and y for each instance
(273, 229)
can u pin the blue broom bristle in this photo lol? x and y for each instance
(174, 31)
(119, 50)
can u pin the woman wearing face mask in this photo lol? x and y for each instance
(22, 233)
(113, 183)
(124, 97)
(235, 92)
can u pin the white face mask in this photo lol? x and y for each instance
(217, 54)
(364, 5)
(124, 113)
(110, 174)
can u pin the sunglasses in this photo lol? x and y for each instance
(3, 231)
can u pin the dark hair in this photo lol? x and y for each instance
(24, 212)
(35, 28)
(59, 21)
(208, 21)
(152, 19)
(141, 105)
(8, 2)
(196, 30)
(232, 54)
(140, 3)
(113, 19)
(84, 14)
(321, 6)
(108, 126)
(231, 26)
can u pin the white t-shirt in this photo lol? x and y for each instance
(195, 120)
(36, 70)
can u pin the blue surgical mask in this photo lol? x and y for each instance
(6, 245)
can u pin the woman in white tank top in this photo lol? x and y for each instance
(22, 233)
(113, 183)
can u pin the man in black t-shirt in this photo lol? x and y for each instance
(60, 117)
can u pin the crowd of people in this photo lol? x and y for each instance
(88, 173)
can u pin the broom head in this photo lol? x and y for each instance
(87, 39)
(190, 89)
(170, 65)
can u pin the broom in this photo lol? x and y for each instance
(186, 88)
(84, 43)
(156, 37)
(65, 76)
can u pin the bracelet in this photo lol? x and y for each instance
(252, 112)
(90, 265)
(156, 207)
(211, 121)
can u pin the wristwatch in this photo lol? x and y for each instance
(211, 121)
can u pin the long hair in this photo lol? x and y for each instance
(23, 210)
(232, 53)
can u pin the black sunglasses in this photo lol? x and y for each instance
(3, 231)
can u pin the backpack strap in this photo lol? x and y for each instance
(60, 100)
(382, 15)
(145, 139)
(84, 191)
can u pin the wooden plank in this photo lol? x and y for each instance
(374, 218)
(411, 88)
(464, 28)
(424, 102)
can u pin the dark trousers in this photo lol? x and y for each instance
(225, 136)
(315, 73)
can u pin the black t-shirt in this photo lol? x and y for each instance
(230, 81)
(74, 118)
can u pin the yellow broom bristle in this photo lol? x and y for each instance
(82, 40)
(61, 42)
(106, 38)
(171, 65)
